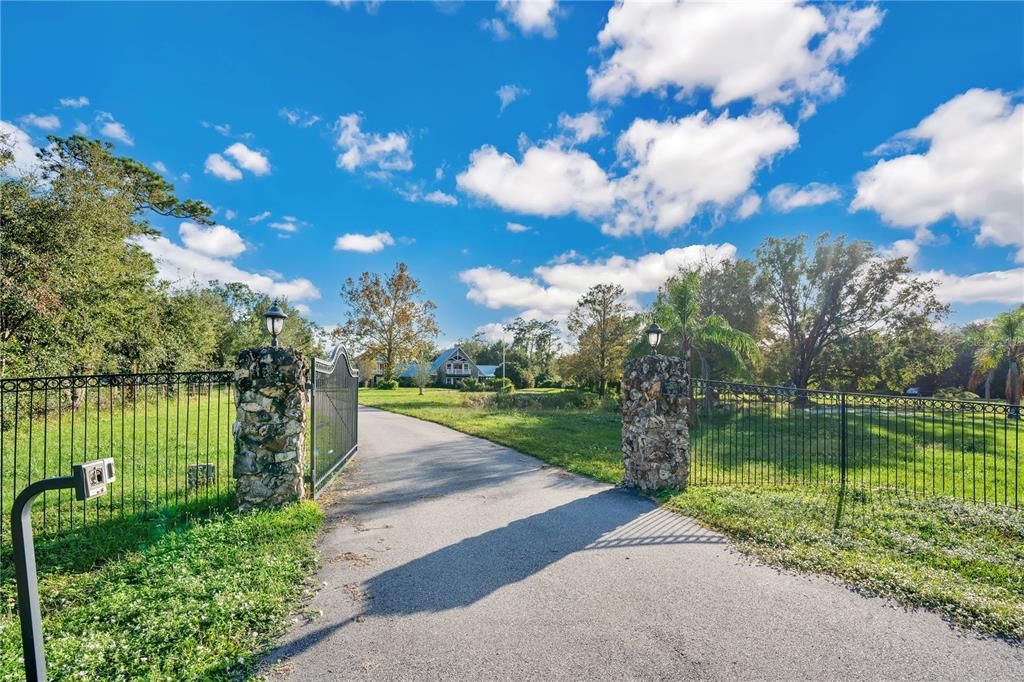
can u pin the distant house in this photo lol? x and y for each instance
(451, 367)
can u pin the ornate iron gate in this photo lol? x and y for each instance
(334, 418)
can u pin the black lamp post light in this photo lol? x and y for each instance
(275, 318)
(654, 333)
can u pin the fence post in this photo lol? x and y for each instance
(842, 440)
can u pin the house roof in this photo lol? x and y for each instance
(487, 370)
(440, 359)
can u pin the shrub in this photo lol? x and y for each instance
(387, 384)
(470, 385)
(405, 382)
(501, 385)
(549, 383)
(956, 393)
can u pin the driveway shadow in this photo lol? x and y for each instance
(467, 571)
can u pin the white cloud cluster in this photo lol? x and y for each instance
(298, 117)
(381, 153)
(516, 227)
(184, 265)
(109, 127)
(531, 16)
(1000, 286)
(492, 332)
(582, 127)
(364, 243)
(510, 93)
(788, 197)
(555, 288)
(972, 170)
(439, 197)
(769, 52)
(48, 122)
(74, 102)
(259, 217)
(20, 144)
(674, 169)
(549, 181)
(251, 160)
(217, 241)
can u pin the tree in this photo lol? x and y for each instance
(680, 311)
(603, 328)
(539, 342)
(1004, 342)
(421, 373)
(74, 283)
(389, 317)
(840, 291)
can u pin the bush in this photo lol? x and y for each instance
(405, 382)
(387, 384)
(501, 385)
(956, 393)
(470, 385)
(569, 400)
(549, 383)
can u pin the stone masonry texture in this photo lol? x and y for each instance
(655, 437)
(270, 428)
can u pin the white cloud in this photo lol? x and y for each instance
(548, 182)
(973, 170)
(749, 205)
(497, 27)
(582, 127)
(298, 117)
(217, 241)
(25, 160)
(787, 197)
(302, 309)
(287, 225)
(249, 159)
(555, 288)
(222, 168)
(681, 166)
(259, 217)
(183, 266)
(768, 51)
(439, 197)
(160, 167)
(516, 227)
(1000, 286)
(492, 332)
(112, 129)
(902, 248)
(531, 16)
(74, 102)
(510, 93)
(364, 243)
(48, 122)
(82, 129)
(382, 153)
(674, 169)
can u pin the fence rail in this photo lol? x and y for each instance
(752, 434)
(169, 434)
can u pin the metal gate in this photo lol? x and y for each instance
(334, 418)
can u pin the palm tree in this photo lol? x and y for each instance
(1003, 341)
(681, 314)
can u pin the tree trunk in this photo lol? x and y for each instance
(706, 372)
(988, 386)
(1013, 390)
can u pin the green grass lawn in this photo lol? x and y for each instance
(963, 559)
(153, 440)
(197, 602)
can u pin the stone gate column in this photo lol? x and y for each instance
(270, 429)
(655, 437)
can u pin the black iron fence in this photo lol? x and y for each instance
(334, 418)
(751, 434)
(168, 433)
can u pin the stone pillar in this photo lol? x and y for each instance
(270, 430)
(655, 437)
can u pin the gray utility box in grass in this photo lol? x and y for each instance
(655, 437)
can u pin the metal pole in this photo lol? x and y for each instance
(842, 440)
(25, 575)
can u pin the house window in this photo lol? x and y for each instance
(448, 380)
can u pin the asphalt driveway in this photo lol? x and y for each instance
(449, 557)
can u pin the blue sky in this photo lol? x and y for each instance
(632, 139)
